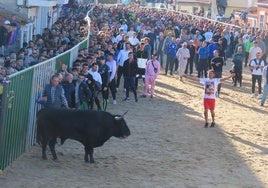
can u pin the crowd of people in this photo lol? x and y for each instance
(65, 33)
(135, 43)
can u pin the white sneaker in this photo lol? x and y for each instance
(114, 101)
(259, 96)
(252, 95)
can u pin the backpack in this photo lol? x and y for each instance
(255, 60)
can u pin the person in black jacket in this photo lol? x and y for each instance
(104, 71)
(69, 90)
(130, 68)
(82, 93)
(217, 64)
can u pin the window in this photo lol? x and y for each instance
(261, 21)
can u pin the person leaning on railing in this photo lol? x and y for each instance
(53, 95)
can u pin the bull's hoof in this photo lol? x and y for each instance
(44, 157)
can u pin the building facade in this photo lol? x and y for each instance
(32, 16)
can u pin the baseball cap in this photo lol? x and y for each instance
(6, 22)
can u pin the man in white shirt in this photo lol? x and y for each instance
(256, 66)
(254, 50)
(97, 85)
(183, 54)
(134, 41)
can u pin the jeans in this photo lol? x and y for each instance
(202, 68)
(190, 65)
(129, 84)
(119, 75)
(254, 79)
(265, 92)
(112, 87)
(170, 64)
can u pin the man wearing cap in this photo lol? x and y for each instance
(4, 35)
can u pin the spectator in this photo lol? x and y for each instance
(53, 95)
(82, 93)
(183, 54)
(104, 71)
(254, 50)
(171, 56)
(95, 85)
(203, 52)
(122, 57)
(130, 68)
(19, 64)
(256, 65)
(142, 57)
(151, 73)
(159, 43)
(217, 63)
(5, 32)
(238, 65)
(69, 89)
(112, 68)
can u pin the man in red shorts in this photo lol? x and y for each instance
(210, 88)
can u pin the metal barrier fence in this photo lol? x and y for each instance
(19, 107)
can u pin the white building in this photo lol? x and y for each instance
(31, 15)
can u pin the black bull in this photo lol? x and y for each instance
(91, 128)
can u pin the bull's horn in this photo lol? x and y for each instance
(118, 117)
(124, 113)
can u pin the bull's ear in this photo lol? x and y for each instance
(124, 113)
(118, 117)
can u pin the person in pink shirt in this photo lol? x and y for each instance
(151, 72)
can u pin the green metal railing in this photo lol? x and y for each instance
(19, 107)
(17, 122)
